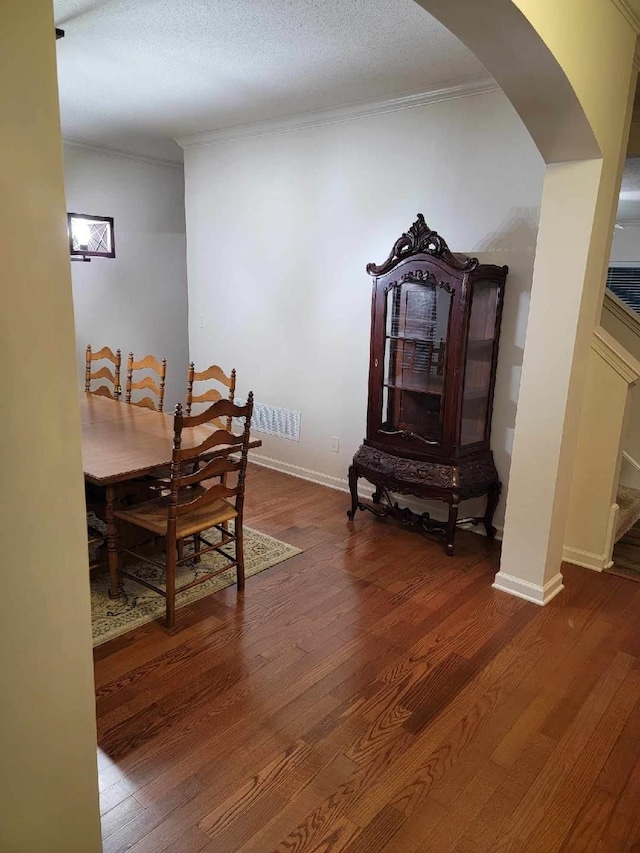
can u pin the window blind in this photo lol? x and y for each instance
(625, 283)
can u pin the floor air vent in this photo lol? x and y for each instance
(272, 420)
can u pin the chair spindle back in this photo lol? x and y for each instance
(211, 395)
(189, 467)
(149, 363)
(110, 375)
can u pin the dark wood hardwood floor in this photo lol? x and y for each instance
(373, 695)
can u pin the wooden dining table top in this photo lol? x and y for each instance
(121, 441)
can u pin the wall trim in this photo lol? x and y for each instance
(339, 483)
(335, 115)
(624, 364)
(614, 305)
(589, 560)
(529, 591)
(628, 14)
(586, 559)
(107, 151)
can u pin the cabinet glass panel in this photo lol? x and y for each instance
(417, 320)
(477, 373)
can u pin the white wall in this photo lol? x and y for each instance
(138, 300)
(280, 230)
(626, 245)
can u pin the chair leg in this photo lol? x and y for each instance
(197, 545)
(180, 546)
(112, 544)
(225, 524)
(171, 550)
(240, 555)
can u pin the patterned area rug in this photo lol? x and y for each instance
(138, 605)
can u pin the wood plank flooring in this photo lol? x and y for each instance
(372, 695)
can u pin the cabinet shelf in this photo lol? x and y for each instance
(412, 339)
(476, 393)
(435, 391)
(480, 343)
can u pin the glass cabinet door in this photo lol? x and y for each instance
(479, 361)
(416, 330)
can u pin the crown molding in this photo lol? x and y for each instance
(107, 151)
(628, 14)
(336, 115)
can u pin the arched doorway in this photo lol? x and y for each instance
(578, 119)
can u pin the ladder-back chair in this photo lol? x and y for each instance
(214, 373)
(197, 502)
(112, 376)
(211, 395)
(147, 382)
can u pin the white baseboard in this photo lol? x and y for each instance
(365, 489)
(595, 562)
(339, 483)
(529, 591)
(589, 559)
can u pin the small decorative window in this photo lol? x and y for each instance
(90, 236)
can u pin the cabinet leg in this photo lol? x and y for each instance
(451, 525)
(492, 502)
(353, 488)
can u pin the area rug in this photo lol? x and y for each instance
(138, 605)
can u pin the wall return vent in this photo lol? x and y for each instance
(272, 420)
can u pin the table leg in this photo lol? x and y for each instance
(112, 543)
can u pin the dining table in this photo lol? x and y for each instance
(122, 442)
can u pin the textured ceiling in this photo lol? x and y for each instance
(135, 74)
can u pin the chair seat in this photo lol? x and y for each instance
(152, 515)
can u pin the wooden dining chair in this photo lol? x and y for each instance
(151, 364)
(197, 501)
(214, 373)
(112, 376)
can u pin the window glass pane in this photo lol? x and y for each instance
(416, 330)
(477, 373)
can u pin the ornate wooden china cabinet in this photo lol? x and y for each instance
(434, 347)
